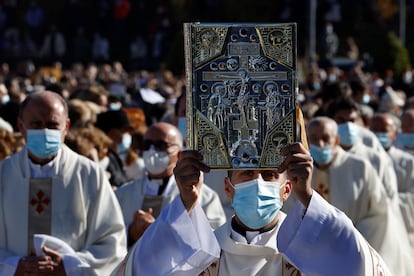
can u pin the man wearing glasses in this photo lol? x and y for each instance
(142, 200)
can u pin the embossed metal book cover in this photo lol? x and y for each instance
(240, 92)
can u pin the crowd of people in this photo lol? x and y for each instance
(137, 32)
(128, 130)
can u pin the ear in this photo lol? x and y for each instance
(286, 190)
(337, 140)
(67, 126)
(228, 188)
(393, 136)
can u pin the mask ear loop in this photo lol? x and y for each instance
(231, 184)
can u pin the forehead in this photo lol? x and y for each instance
(380, 124)
(320, 129)
(252, 174)
(44, 109)
(160, 133)
(345, 115)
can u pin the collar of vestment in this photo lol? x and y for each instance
(156, 186)
(46, 170)
(240, 234)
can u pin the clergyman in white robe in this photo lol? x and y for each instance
(404, 167)
(382, 163)
(302, 241)
(131, 196)
(84, 219)
(352, 185)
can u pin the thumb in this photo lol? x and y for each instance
(150, 211)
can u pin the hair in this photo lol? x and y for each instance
(97, 137)
(358, 86)
(79, 113)
(40, 97)
(177, 103)
(78, 143)
(165, 127)
(342, 104)
(335, 90)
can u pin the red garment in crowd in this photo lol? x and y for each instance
(121, 9)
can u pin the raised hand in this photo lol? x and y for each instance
(298, 164)
(188, 176)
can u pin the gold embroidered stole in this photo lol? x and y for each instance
(40, 209)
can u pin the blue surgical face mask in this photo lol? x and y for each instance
(125, 143)
(115, 106)
(406, 139)
(5, 99)
(348, 133)
(366, 99)
(44, 143)
(182, 126)
(321, 155)
(384, 138)
(316, 86)
(257, 202)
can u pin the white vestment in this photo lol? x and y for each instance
(404, 167)
(370, 139)
(354, 187)
(131, 196)
(85, 215)
(320, 240)
(215, 180)
(382, 163)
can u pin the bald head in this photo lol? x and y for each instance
(40, 111)
(163, 138)
(325, 123)
(47, 99)
(165, 131)
(322, 132)
(382, 122)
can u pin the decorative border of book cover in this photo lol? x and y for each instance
(241, 92)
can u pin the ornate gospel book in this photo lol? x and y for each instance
(241, 92)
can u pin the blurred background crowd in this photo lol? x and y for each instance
(126, 57)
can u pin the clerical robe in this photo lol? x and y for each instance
(353, 186)
(370, 139)
(404, 167)
(319, 240)
(382, 164)
(131, 198)
(84, 214)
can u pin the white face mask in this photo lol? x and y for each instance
(104, 162)
(156, 162)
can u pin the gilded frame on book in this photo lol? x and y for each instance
(241, 92)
